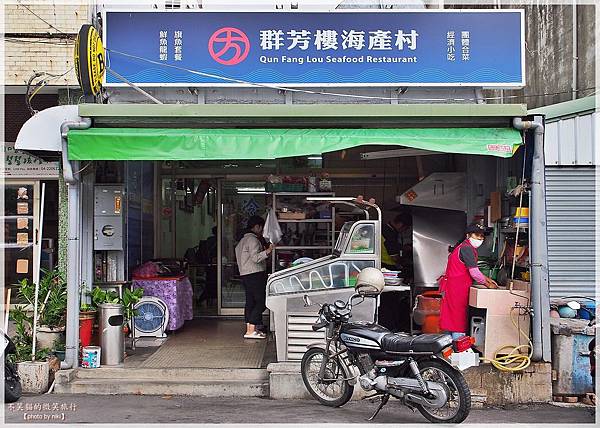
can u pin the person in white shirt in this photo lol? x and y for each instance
(251, 260)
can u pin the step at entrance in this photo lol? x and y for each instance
(166, 381)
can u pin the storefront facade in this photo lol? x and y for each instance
(225, 138)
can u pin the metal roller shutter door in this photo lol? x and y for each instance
(570, 204)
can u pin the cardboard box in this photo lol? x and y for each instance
(495, 207)
(291, 216)
(499, 301)
(500, 331)
(518, 285)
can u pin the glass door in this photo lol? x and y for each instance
(238, 201)
(20, 217)
(188, 220)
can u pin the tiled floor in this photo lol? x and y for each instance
(205, 343)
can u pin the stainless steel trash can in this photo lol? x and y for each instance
(112, 341)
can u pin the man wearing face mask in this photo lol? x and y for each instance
(461, 271)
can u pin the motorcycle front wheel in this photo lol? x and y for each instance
(333, 390)
(458, 406)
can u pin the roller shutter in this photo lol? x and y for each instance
(570, 204)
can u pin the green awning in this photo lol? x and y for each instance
(273, 143)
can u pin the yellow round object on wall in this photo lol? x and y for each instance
(90, 63)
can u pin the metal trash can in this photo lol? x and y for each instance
(112, 341)
(570, 356)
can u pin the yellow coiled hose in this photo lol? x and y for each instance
(514, 361)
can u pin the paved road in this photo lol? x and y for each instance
(149, 409)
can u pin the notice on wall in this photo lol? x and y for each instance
(19, 164)
(22, 208)
(22, 223)
(22, 266)
(22, 238)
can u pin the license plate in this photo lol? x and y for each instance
(464, 360)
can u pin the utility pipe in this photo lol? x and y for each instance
(539, 244)
(72, 181)
(37, 267)
(575, 52)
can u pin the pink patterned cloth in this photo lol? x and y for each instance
(147, 270)
(177, 294)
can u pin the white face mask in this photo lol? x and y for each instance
(476, 242)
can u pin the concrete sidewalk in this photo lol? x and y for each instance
(197, 410)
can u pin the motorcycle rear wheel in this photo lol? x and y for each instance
(332, 393)
(458, 406)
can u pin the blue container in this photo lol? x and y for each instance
(585, 313)
(572, 364)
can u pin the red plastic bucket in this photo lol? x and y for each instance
(85, 331)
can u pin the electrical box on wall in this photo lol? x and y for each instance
(108, 217)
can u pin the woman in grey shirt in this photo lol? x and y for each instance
(252, 264)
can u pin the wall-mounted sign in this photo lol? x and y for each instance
(89, 60)
(19, 164)
(350, 48)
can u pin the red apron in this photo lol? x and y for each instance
(455, 285)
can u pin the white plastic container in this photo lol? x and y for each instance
(90, 357)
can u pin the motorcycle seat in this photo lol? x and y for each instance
(395, 342)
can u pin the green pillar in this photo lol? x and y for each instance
(63, 223)
(64, 97)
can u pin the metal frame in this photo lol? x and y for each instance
(285, 304)
(35, 214)
(275, 195)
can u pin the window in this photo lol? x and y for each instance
(362, 240)
(339, 274)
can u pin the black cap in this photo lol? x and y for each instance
(475, 228)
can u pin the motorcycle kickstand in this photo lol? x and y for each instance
(384, 399)
(373, 396)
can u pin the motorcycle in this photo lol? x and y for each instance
(12, 382)
(423, 372)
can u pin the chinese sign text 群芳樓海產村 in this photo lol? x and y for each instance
(472, 48)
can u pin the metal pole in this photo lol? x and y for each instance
(36, 270)
(72, 333)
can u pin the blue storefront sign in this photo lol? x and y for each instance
(408, 48)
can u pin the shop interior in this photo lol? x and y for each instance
(170, 227)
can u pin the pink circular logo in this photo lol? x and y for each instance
(229, 46)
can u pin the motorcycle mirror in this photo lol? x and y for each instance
(574, 305)
(307, 301)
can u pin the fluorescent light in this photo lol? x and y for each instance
(315, 158)
(251, 192)
(250, 189)
(399, 153)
